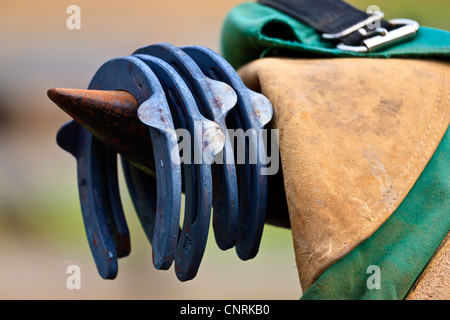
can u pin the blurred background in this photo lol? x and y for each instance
(41, 228)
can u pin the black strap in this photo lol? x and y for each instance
(326, 16)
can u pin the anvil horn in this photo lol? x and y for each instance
(111, 116)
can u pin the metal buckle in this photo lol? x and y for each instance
(408, 29)
(376, 16)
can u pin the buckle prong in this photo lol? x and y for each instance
(376, 16)
(408, 28)
(380, 31)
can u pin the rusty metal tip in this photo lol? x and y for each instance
(111, 116)
(53, 93)
(60, 96)
(83, 104)
(56, 94)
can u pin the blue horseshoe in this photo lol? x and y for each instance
(214, 100)
(253, 111)
(194, 234)
(131, 75)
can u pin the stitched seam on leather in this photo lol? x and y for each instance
(402, 189)
(407, 183)
(424, 159)
(429, 126)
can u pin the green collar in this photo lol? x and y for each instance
(252, 31)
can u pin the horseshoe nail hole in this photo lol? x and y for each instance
(139, 86)
(187, 244)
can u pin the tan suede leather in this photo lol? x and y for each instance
(355, 134)
(434, 282)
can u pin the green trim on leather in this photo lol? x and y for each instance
(401, 247)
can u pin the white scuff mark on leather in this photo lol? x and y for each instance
(365, 208)
(327, 251)
(386, 184)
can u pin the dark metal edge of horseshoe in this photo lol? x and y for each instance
(142, 191)
(88, 153)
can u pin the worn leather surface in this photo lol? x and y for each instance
(355, 134)
(434, 282)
